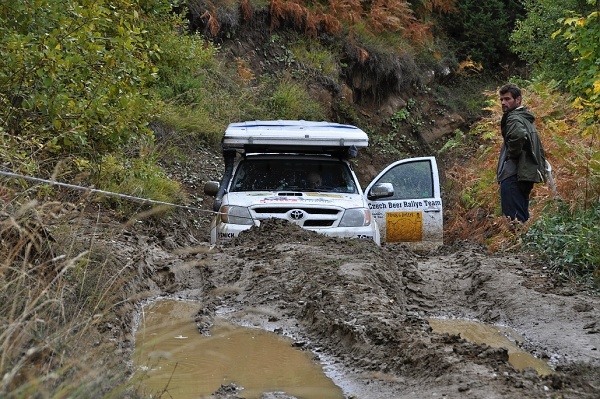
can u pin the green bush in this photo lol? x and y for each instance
(479, 30)
(185, 62)
(582, 33)
(568, 239)
(75, 73)
(532, 39)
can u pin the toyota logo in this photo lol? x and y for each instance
(296, 214)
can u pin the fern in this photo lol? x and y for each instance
(213, 24)
(246, 8)
(390, 15)
(372, 18)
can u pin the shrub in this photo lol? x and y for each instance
(567, 239)
(582, 33)
(184, 61)
(75, 75)
(479, 30)
(533, 38)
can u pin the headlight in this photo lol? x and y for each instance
(236, 215)
(356, 217)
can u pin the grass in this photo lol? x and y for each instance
(61, 295)
(291, 100)
(315, 56)
(567, 240)
(140, 177)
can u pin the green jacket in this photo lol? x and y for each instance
(522, 152)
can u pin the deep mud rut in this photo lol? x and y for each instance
(365, 309)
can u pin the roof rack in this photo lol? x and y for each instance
(294, 136)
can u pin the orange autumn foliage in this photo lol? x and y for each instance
(410, 19)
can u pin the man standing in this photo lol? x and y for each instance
(522, 160)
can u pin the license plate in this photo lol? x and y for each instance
(404, 226)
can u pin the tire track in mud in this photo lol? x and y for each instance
(451, 284)
(362, 304)
(471, 283)
(365, 306)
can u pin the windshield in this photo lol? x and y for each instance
(293, 175)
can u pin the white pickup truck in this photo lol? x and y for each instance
(300, 171)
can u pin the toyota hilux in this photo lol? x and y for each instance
(300, 171)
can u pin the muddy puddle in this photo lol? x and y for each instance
(494, 336)
(171, 355)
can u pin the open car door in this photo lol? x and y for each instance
(405, 201)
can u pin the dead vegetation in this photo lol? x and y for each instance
(324, 17)
(58, 295)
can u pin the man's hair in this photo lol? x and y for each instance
(511, 88)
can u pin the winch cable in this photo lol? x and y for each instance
(103, 192)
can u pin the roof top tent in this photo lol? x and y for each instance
(294, 136)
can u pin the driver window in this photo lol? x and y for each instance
(410, 180)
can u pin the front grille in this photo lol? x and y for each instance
(317, 217)
(311, 211)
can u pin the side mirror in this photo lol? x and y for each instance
(211, 188)
(381, 190)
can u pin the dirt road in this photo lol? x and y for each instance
(367, 307)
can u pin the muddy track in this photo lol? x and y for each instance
(365, 309)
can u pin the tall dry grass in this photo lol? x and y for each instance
(59, 291)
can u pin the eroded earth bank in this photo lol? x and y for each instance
(368, 307)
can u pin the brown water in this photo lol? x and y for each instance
(172, 354)
(496, 337)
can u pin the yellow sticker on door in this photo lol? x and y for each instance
(404, 226)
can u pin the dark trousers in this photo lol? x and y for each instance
(514, 198)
